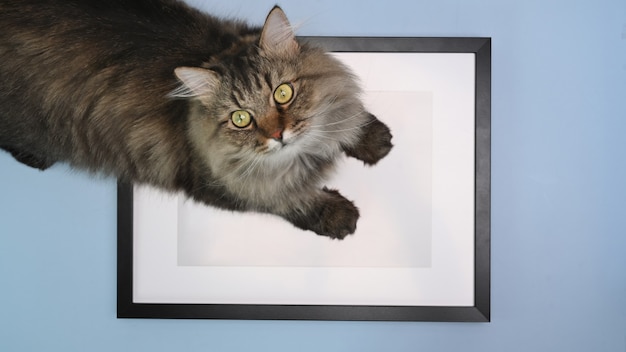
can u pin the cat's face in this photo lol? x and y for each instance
(273, 100)
(279, 104)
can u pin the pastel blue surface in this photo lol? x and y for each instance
(558, 192)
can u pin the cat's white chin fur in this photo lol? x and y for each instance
(288, 140)
(274, 145)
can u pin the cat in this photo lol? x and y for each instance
(156, 92)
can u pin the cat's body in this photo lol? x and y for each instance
(257, 123)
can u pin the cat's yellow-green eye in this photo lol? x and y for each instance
(283, 94)
(241, 118)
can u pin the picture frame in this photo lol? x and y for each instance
(449, 282)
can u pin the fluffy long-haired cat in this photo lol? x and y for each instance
(156, 92)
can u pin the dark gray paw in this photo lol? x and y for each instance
(332, 215)
(338, 216)
(375, 143)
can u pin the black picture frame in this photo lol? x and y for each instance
(478, 312)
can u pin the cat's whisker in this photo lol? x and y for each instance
(252, 167)
(349, 129)
(354, 116)
(323, 110)
(320, 137)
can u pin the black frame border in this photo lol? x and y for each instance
(480, 312)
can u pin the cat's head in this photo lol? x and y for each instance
(272, 98)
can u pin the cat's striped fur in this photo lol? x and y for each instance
(144, 90)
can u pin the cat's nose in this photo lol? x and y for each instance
(277, 135)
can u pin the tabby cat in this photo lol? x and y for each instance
(156, 92)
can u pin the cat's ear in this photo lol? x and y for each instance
(196, 82)
(277, 37)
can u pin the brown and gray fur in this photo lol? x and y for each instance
(143, 90)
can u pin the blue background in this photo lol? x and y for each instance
(559, 208)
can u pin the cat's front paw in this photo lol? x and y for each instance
(375, 143)
(338, 216)
(332, 215)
